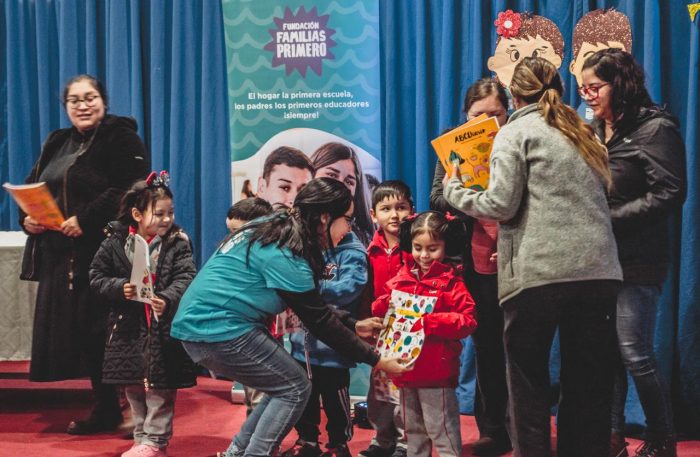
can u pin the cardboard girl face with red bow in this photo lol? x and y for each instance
(524, 35)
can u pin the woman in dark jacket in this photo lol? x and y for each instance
(647, 162)
(87, 167)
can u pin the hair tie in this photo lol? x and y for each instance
(449, 217)
(411, 217)
(161, 179)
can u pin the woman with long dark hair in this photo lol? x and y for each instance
(267, 265)
(647, 163)
(557, 264)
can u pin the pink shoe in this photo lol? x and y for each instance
(144, 450)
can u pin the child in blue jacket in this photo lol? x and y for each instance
(342, 284)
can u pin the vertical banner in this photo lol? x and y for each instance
(301, 77)
(304, 100)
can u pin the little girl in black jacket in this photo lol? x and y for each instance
(140, 353)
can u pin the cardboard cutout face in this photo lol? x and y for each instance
(510, 51)
(523, 35)
(597, 30)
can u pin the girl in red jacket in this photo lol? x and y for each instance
(428, 396)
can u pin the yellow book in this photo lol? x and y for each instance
(36, 200)
(470, 145)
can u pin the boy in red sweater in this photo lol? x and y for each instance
(391, 203)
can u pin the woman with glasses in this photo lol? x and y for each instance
(342, 284)
(647, 163)
(87, 167)
(276, 262)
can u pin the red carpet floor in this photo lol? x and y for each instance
(33, 417)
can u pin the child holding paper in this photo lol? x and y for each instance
(140, 353)
(428, 397)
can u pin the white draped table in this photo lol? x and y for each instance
(16, 300)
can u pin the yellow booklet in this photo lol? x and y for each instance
(470, 145)
(36, 200)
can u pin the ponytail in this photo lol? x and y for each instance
(537, 80)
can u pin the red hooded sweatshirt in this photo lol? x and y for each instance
(451, 320)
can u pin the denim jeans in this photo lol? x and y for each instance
(636, 323)
(584, 312)
(259, 361)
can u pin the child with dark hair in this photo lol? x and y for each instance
(428, 396)
(246, 210)
(140, 352)
(391, 204)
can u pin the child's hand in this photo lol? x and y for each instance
(393, 366)
(158, 305)
(129, 291)
(369, 328)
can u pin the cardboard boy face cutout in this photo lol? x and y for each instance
(597, 30)
(520, 36)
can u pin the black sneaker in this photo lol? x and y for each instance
(661, 448)
(302, 449)
(376, 451)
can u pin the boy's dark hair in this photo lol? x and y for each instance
(391, 188)
(450, 229)
(249, 209)
(289, 156)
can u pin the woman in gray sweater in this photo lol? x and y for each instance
(557, 264)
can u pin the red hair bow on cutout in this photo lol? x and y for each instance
(508, 24)
(161, 179)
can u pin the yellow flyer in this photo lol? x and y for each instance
(36, 200)
(469, 144)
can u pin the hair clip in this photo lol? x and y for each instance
(508, 24)
(294, 212)
(161, 179)
(450, 217)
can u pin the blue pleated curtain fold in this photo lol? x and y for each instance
(162, 62)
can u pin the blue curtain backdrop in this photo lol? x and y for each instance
(163, 62)
(432, 50)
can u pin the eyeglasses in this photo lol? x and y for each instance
(89, 100)
(591, 91)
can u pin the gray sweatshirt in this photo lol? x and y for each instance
(551, 208)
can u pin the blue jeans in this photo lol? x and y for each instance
(259, 361)
(636, 323)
